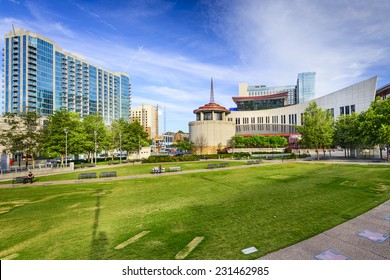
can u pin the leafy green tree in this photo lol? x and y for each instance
(183, 145)
(238, 141)
(317, 129)
(94, 130)
(347, 134)
(134, 137)
(55, 136)
(371, 125)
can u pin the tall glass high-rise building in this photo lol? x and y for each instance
(41, 77)
(306, 86)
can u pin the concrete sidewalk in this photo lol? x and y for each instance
(344, 240)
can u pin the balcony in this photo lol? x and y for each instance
(32, 56)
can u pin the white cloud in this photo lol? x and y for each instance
(340, 40)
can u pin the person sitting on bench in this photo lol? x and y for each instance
(30, 176)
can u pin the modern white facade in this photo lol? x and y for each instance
(281, 121)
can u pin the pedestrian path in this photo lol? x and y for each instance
(365, 237)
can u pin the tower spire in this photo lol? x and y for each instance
(212, 92)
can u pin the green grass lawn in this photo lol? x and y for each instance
(269, 207)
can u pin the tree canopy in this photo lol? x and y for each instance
(317, 129)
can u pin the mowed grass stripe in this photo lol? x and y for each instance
(189, 248)
(132, 239)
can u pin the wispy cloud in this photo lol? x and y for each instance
(339, 40)
(96, 16)
(258, 42)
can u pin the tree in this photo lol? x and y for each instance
(347, 134)
(95, 131)
(183, 145)
(200, 143)
(21, 134)
(317, 129)
(134, 137)
(371, 125)
(55, 136)
(32, 135)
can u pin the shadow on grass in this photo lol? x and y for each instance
(99, 239)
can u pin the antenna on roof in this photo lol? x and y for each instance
(212, 92)
(13, 28)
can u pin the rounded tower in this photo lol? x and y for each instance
(212, 130)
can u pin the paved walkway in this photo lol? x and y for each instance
(344, 241)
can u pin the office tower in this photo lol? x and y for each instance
(147, 116)
(306, 86)
(41, 77)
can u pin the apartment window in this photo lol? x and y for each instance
(237, 120)
(347, 110)
(253, 120)
(342, 110)
(267, 119)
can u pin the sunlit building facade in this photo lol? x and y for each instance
(147, 116)
(39, 76)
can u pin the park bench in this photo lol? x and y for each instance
(22, 179)
(107, 174)
(157, 170)
(224, 164)
(87, 175)
(254, 161)
(91, 165)
(210, 166)
(174, 168)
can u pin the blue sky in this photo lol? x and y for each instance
(171, 49)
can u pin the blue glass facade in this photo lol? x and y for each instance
(40, 77)
(306, 86)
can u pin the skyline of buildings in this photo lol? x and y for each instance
(39, 76)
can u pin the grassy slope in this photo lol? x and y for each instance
(269, 207)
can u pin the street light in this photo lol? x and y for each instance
(95, 133)
(66, 146)
(120, 147)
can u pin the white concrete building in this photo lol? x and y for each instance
(281, 121)
(211, 130)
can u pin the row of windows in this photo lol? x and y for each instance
(292, 119)
(265, 129)
(346, 110)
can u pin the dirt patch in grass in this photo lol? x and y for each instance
(189, 248)
(132, 239)
(10, 257)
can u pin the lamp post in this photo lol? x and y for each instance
(139, 146)
(120, 147)
(95, 134)
(66, 146)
